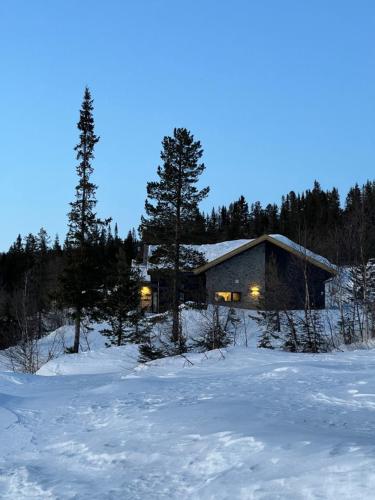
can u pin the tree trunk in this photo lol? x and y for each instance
(119, 334)
(39, 325)
(176, 308)
(77, 330)
(176, 271)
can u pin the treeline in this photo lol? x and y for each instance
(31, 279)
(315, 218)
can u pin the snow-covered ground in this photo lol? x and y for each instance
(242, 424)
(54, 345)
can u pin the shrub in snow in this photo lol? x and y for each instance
(149, 352)
(313, 337)
(157, 341)
(269, 323)
(290, 336)
(214, 326)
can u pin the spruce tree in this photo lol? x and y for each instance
(130, 244)
(81, 279)
(56, 245)
(121, 302)
(171, 206)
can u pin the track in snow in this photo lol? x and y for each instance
(257, 424)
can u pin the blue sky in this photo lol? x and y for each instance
(279, 93)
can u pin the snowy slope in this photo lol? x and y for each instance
(54, 345)
(253, 424)
(102, 360)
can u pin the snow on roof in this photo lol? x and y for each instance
(211, 251)
(302, 250)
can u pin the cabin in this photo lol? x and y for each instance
(269, 272)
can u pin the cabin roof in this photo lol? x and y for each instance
(278, 240)
(210, 251)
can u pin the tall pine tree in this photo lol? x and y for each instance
(171, 206)
(81, 278)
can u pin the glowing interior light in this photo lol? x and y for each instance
(145, 292)
(255, 291)
(223, 296)
(227, 296)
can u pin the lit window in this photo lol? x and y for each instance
(254, 292)
(146, 297)
(223, 296)
(227, 297)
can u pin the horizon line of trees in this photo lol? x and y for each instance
(315, 217)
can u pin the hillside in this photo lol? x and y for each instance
(245, 423)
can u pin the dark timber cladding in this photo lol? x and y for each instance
(288, 274)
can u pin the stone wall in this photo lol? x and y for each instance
(238, 274)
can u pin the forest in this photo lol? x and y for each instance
(45, 283)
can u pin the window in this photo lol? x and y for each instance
(227, 297)
(145, 297)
